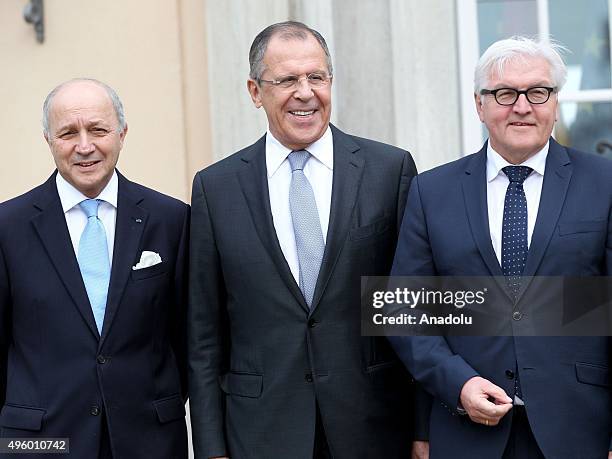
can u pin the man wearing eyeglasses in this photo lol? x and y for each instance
(281, 233)
(524, 205)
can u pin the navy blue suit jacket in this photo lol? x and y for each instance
(57, 374)
(565, 380)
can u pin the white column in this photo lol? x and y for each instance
(364, 68)
(231, 27)
(425, 80)
(318, 14)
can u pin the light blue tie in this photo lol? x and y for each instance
(93, 260)
(306, 225)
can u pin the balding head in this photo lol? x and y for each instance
(112, 94)
(84, 133)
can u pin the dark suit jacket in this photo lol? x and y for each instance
(565, 381)
(260, 361)
(62, 376)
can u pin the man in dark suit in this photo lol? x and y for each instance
(511, 396)
(281, 233)
(92, 295)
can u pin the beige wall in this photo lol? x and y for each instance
(153, 52)
(180, 67)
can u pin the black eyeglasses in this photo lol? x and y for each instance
(508, 96)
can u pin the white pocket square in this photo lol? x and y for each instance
(147, 259)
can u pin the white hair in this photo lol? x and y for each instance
(518, 47)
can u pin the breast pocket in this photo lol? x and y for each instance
(582, 242)
(146, 273)
(567, 228)
(370, 230)
(589, 373)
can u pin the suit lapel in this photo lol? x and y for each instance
(554, 188)
(253, 180)
(50, 224)
(474, 184)
(557, 177)
(348, 169)
(475, 197)
(130, 223)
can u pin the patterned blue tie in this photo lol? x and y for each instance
(306, 225)
(93, 260)
(514, 227)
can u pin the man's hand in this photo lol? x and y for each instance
(484, 402)
(609, 454)
(420, 450)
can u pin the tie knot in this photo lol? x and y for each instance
(297, 159)
(90, 207)
(517, 174)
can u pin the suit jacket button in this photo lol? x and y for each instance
(312, 323)
(101, 359)
(517, 315)
(95, 410)
(308, 377)
(510, 374)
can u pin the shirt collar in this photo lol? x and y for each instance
(70, 196)
(276, 152)
(495, 162)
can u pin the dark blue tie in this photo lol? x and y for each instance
(514, 240)
(514, 227)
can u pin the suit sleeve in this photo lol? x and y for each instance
(179, 316)
(609, 275)
(207, 331)
(420, 399)
(409, 171)
(5, 325)
(429, 358)
(609, 243)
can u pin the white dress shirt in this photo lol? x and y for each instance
(76, 219)
(497, 183)
(319, 170)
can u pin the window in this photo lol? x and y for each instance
(585, 114)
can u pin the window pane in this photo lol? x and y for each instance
(586, 126)
(499, 19)
(583, 27)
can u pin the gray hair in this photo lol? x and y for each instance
(112, 94)
(287, 30)
(518, 47)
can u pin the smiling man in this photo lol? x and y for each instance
(281, 233)
(92, 295)
(522, 206)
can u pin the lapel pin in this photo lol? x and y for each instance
(138, 220)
